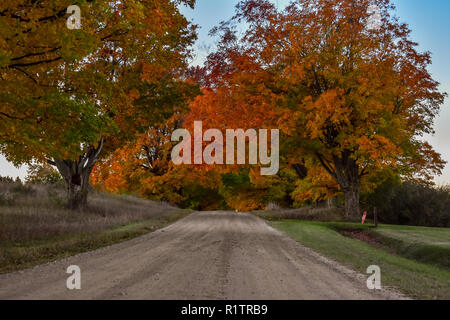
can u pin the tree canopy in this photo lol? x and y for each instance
(352, 96)
(69, 93)
(352, 101)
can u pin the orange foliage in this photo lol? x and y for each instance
(351, 101)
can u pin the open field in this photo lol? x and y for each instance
(395, 251)
(36, 228)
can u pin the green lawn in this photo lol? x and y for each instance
(432, 236)
(428, 245)
(414, 278)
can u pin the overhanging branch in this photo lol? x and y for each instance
(327, 167)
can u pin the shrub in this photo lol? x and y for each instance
(412, 204)
(6, 180)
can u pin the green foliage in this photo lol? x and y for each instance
(61, 90)
(199, 197)
(411, 204)
(38, 173)
(245, 191)
(6, 180)
(232, 180)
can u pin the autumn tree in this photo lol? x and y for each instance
(349, 97)
(69, 95)
(144, 167)
(147, 156)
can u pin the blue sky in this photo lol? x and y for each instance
(428, 19)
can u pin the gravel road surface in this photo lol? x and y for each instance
(207, 255)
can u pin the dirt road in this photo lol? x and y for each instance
(208, 255)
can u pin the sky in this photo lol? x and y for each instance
(430, 24)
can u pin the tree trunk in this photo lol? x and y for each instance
(76, 175)
(352, 196)
(78, 189)
(348, 176)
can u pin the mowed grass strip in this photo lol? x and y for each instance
(35, 227)
(414, 278)
(428, 245)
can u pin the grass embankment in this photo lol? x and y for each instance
(35, 227)
(413, 259)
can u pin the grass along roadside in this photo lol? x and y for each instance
(414, 278)
(35, 227)
(424, 244)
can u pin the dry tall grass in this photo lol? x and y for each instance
(36, 227)
(37, 211)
